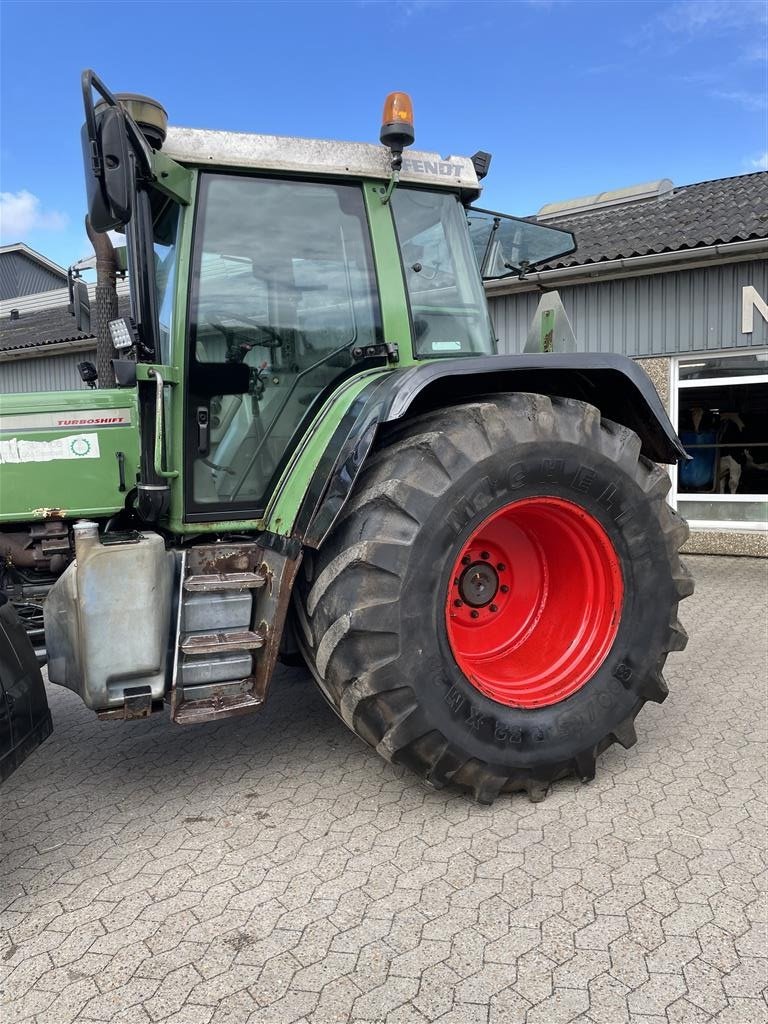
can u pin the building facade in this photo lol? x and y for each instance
(40, 346)
(23, 271)
(678, 279)
(674, 277)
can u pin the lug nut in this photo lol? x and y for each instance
(484, 555)
(457, 603)
(465, 560)
(501, 567)
(475, 614)
(504, 588)
(494, 608)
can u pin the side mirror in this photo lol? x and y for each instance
(125, 372)
(108, 172)
(88, 374)
(81, 306)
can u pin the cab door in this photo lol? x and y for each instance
(283, 301)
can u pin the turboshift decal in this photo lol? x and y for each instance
(82, 418)
(74, 446)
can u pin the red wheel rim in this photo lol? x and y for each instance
(534, 602)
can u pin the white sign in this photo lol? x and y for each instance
(751, 300)
(74, 446)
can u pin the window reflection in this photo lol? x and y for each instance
(284, 290)
(448, 306)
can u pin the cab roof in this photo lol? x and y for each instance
(205, 148)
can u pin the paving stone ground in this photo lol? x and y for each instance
(275, 870)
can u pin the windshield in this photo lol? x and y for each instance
(448, 307)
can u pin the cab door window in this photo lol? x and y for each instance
(284, 290)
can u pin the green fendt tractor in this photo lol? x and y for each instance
(310, 450)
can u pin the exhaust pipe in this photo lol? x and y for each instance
(106, 303)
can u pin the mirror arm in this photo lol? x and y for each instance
(140, 257)
(89, 81)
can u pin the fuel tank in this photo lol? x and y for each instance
(108, 619)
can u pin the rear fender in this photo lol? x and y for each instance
(25, 720)
(615, 384)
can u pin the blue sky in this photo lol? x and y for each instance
(571, 97)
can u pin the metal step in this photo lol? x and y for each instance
(224, 689)
(225, 581)
(218, 643)
(213, 669)
(216, 611)
(191, 711)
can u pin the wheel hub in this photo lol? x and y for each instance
(478, 584)
(534, 602)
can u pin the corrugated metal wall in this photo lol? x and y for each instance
(44, 373)
(20, 275)
(661, 314)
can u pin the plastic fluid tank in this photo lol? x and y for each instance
(108, 618)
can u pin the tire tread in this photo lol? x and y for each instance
(414, 466)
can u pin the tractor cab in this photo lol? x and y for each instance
(271, 273)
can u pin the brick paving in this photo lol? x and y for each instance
(275, 870)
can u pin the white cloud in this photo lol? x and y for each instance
(692, 17)
(22, 212)
(745, 99)
(760, 163)
(757, 53)
(411, 8)
(405, 8)
(682, 22)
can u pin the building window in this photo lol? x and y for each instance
(722, 420)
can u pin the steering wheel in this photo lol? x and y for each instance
(240, 342)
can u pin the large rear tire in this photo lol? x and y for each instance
(494, 676)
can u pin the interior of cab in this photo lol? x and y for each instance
(284, 288)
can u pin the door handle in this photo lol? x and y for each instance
(203, 418)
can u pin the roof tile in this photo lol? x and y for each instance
(708, 213)
(45, 327)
